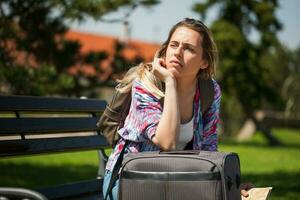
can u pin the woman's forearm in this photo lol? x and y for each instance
(168, 127)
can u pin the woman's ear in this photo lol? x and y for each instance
(204, 65)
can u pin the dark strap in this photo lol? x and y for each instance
(123, 114)
(207, 94)
(115, 172)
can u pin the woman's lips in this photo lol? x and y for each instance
(176, 62)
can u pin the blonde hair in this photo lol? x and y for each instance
(144, 73)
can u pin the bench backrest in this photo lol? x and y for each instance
(37, 125)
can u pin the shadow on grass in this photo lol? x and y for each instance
(259, 144)
(285, 184)
(37, 176)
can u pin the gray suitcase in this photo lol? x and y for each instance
(180, 175)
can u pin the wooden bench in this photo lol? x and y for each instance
(58, 125)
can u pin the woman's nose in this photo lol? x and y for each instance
(178, 51)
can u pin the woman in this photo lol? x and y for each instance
(188, 55)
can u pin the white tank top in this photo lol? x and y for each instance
(185, 135)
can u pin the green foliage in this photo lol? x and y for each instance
(43, 80)
(120, 64)
(35, 57)
(230, 38)
(285, 69)
(243, 73)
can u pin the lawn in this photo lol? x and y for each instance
(278, 167)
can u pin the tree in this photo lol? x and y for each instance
(287, 77)
(34, 54)
(244, 77)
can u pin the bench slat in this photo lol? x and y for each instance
(46, 125)
(51, 145)
(46, 118)
(75, 190)
(30, 103)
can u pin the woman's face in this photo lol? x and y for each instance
(184, 53)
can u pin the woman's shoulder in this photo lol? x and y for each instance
(137, 83)
(138, 87)
(217, 88)
(215, 82)
(140, 91)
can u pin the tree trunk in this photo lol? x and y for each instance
(267, 132)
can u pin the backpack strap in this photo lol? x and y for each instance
(113, 117)
(207, 93)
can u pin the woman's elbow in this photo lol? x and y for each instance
(168, 148)
(163, 144)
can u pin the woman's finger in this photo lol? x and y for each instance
(244, 193)
(245, 187)
(162, 62)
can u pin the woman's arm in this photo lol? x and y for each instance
(168, 127)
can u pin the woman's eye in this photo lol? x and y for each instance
(189, 49)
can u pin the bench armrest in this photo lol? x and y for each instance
(13, 193)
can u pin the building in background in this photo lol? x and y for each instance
(122, 53)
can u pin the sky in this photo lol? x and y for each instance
(153, 24)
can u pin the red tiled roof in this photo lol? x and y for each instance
(92, 42)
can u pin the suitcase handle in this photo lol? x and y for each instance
(187, 152)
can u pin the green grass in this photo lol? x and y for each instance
(264, 166)
(278, 167)
(41, 171)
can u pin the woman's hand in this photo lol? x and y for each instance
(245, 187)
(160, 70)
